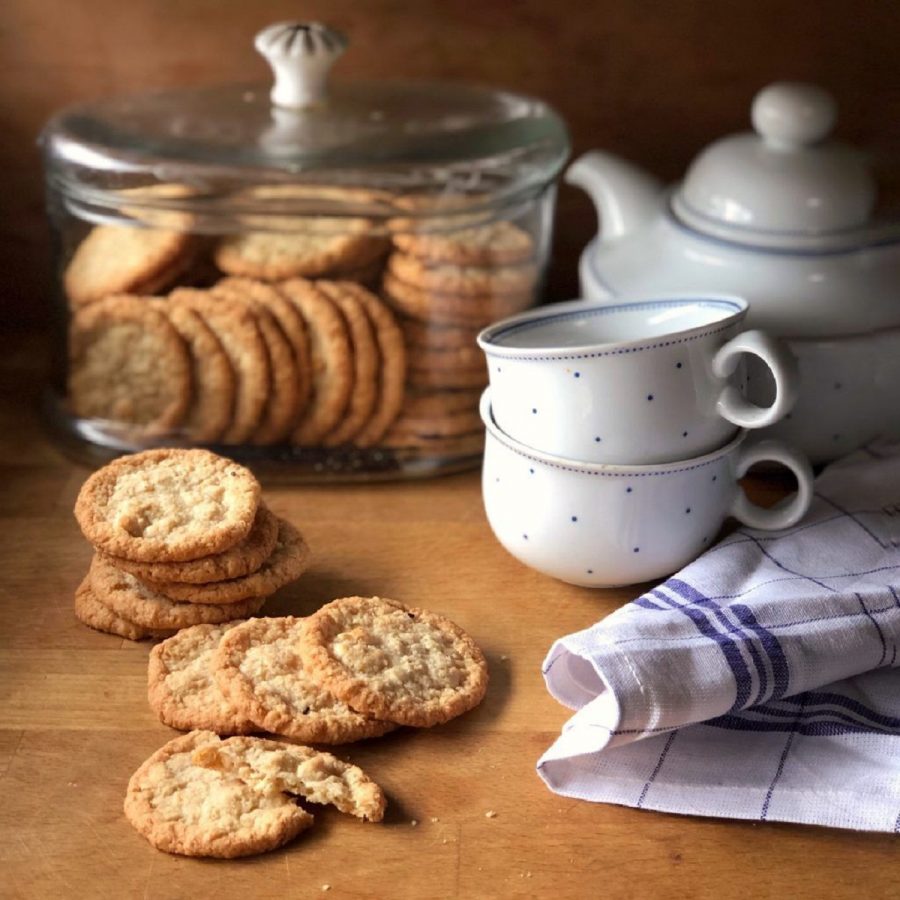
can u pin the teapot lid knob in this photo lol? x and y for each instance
(791, 115)
(300, 54)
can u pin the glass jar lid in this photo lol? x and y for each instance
(434, 141)
(787, 185)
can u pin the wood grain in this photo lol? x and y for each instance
(654, 80)
(74, 725)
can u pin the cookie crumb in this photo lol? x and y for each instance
(504, 657)
(326, 887)
(490, 814)
(414, 822)
(435, 819)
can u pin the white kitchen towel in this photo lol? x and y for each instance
(757, 683)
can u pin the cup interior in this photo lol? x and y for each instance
(578, 324)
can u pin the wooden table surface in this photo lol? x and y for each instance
(74, 725)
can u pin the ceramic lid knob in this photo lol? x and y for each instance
(792, 115)
(301, 55)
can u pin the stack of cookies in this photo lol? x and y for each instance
(357, 668)
(181, 538)
(242, 362)
(446, 286)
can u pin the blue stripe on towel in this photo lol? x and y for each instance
(781, 672)
(729, 648)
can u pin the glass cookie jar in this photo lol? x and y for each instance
(293, 276)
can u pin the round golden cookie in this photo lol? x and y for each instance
(131, 598)
(496, 244)
(238, 331)
(243, 558)
(286, 563)
(366, 363)
(466, 281)
(283, 403)
(289, 319)
(168, 505)
(451, 309)
(212, 377)
(91, 612)
(181, 688)
(392, 375)
(405, 665)
(258, 668)
(331, 357)
(316, 248)
(283, 406)
(192, 798)
(116, 259)
(127, 363)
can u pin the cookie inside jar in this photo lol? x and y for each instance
(304, 286)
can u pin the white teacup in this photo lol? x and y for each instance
(604, 525)
(637, 382)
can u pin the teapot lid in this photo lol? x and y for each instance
(785, 186)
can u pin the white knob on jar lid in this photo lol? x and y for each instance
(301, 55)
(792, 115)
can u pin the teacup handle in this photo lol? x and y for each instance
(732, 405)
(788, 511)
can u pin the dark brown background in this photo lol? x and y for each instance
(652, 80)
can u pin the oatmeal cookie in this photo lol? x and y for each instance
(405, 665)
(127, 363)
(168, 505)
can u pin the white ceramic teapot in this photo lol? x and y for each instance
(784, 217)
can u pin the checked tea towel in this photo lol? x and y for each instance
(760, 682)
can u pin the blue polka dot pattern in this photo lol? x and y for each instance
(578, 374)
(574, 518)
(677, 365)
(649, 396)
(637, 549)
(628, 490)
(597, 440)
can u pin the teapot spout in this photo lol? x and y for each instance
(626, 197)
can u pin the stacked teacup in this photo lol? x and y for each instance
(617, 434)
